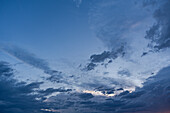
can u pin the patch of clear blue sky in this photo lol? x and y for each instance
(48, 28)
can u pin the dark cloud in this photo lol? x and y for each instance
(110, 106)
(144, 53)
(159, 33)
(20, 97)
(101, 57)
(85, 95)
(106, 55)
(5, 70)
(106, 89)
(124, 93)
(153, 97)
(17, 97)
(55, 77)
(90, 66)
(97, 58)
(134, 95)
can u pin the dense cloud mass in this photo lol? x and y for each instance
(17, 97)
(153, 97)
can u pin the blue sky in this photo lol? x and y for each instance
(49, 26)
(84, 56)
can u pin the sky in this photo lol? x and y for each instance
(49, 26)
(84, 56)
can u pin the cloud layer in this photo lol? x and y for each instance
(131, 76)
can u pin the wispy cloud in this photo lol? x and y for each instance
(78, 2)
(32, 60)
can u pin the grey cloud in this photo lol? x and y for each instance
(19, 97)
(113, 21)
(124, 93)
(159, 33)
(26, 57)
(5, 70)
(90, 66)
(134, 95)
(97, 58)
(52, 90)
(124, 72)
(106, 89)
(55, 77)
(153, 97)
(106, 55)
(86, 96)
(32, 60)
(110, 106)
(16, 97)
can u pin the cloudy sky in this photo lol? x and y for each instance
(84, 56)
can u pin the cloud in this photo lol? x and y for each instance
(5, 70)
(106, 55)
(16, 97)
(156, 97)
(159, 33)
(49, 91)
(30, 59)
(85, 95)
(19, 97)
(119, 69)
(124, 72)
(89, 66)
(134, 95)
(26, 57)
(78, 2)
(153, 97)
(115, 22)
(127, 61)
(55, 77)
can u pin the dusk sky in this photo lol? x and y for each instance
(84, 56)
